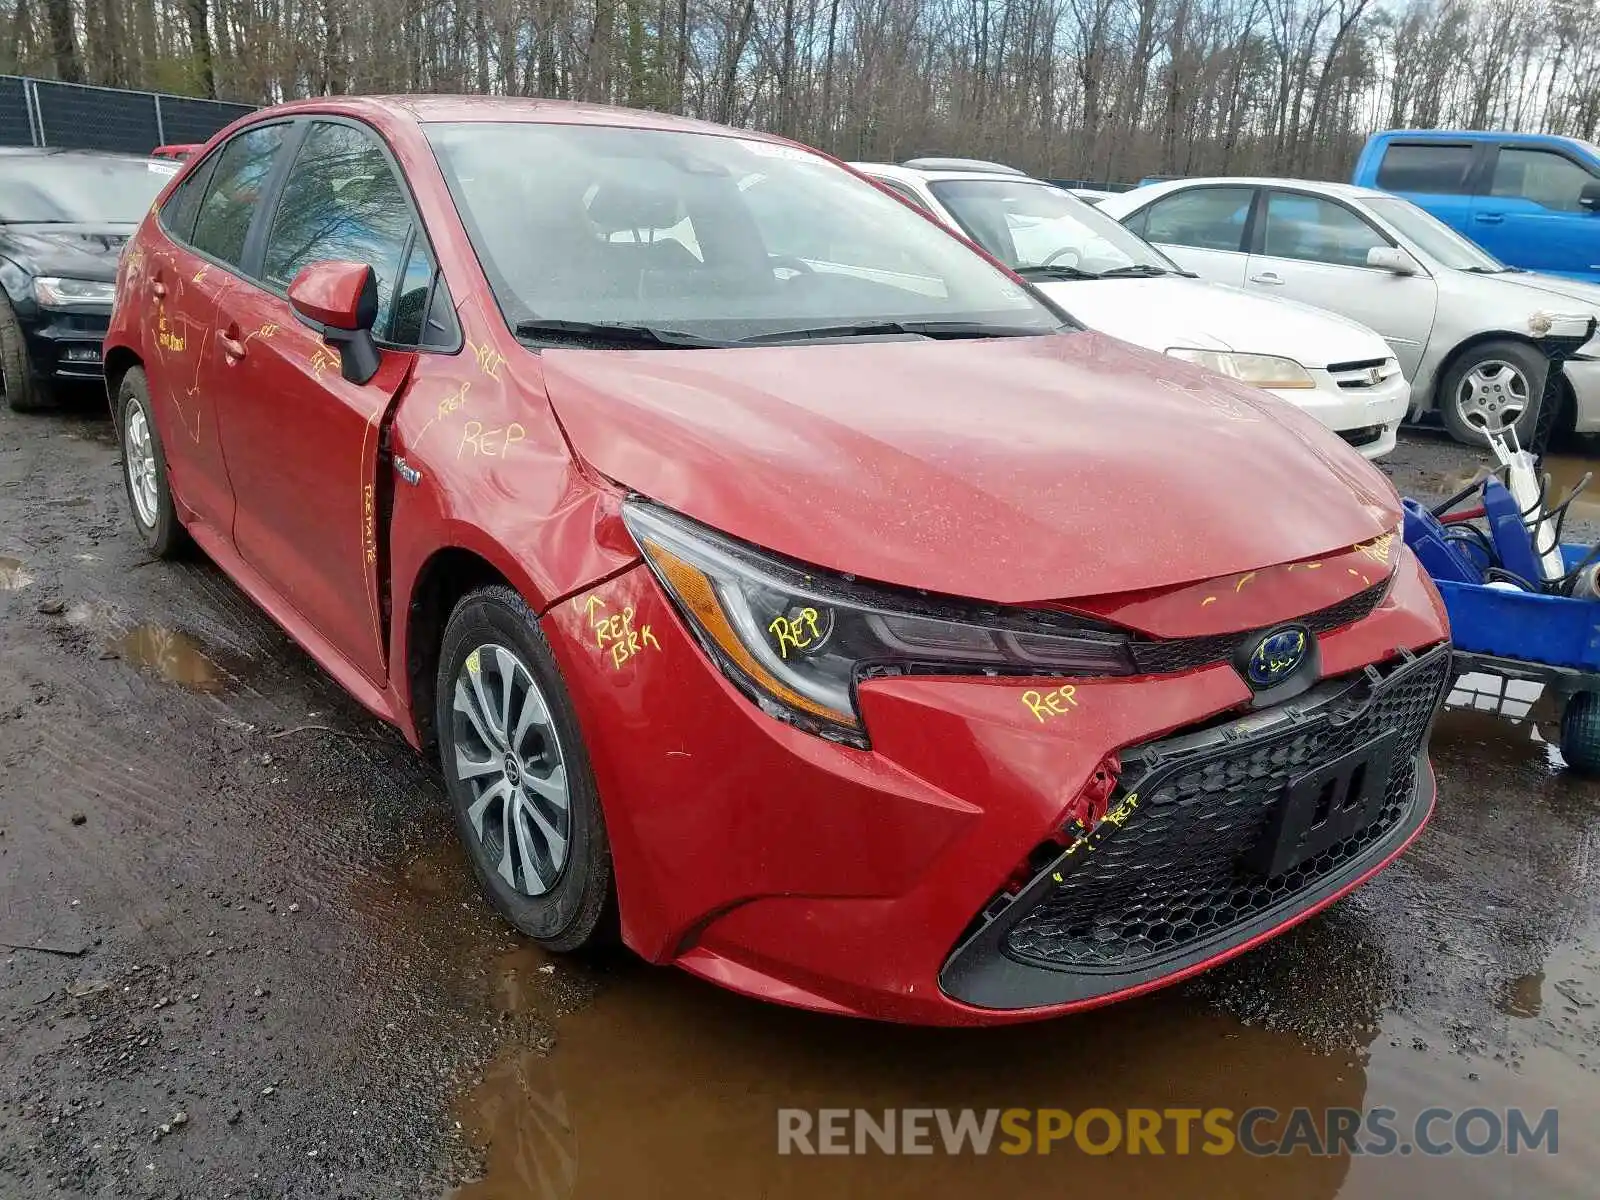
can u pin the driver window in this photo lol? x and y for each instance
(1314, 229)
(341, 202)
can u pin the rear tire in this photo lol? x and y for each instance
(144, 469)
(24, 393)
(1580, 733)
(518, 774)
(1491, 386)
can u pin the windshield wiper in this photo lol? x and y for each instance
(1494, 270)
(1055, 271)
(1135, 271)
(556, 329)
(928, 329)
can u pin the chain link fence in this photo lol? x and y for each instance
(76, 116)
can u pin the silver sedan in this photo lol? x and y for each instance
(1461, 322)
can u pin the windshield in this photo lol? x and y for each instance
(1432, 236)
(712, 236)
(1025, 223)
(61, 188)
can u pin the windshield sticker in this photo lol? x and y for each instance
(1048, 705)
(779, 150)
(161, 168)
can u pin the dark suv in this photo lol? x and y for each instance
(65, 216)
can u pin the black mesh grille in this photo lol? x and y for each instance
(1188, 654)
(1177, 873)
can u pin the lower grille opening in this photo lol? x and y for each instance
(1363, 436)
(1189, 864)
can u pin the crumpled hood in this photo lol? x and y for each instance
(1173, 311)
(1011, 470)
(69, 251)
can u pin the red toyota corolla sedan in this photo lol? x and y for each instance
(783, 586)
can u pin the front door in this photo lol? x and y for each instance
(302, 441)
(1531, 217)
(1314, 249)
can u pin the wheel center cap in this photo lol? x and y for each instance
(513, 771)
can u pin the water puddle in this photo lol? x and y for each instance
(174, 656)
(13, 575)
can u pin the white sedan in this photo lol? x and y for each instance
(1461, 322)
(1338, 371)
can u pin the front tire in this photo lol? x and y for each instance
(1492, 386)
(144, 469)
(1580, 734)
(518, 774)
(24, 393)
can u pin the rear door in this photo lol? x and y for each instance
(1436, 176)
(1313, 249)
(1201, 228)
(1531, 216)
(206, 221)
(302, 441)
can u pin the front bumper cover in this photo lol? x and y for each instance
(1214, 840)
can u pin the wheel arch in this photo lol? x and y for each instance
(1466, 345)
(119, 360)
(448, 574)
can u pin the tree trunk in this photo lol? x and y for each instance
(64, 41)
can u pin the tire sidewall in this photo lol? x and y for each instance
(1527, 359)
(22, 391)
(162, 536)
(567, 916)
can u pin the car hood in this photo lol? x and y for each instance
(72, 251)
(1585, 296)
(1010, 470)
(1173, 311)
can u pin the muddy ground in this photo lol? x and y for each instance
(243, 957)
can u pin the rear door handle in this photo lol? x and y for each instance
(1271, 277)
(231, 346)
(1489, 218)
(159, 288)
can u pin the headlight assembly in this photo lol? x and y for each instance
(797, 640)
(72, 293)
(1262, 370)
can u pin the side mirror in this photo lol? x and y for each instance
(1391, 258)
(340, 301)
(1589, 196)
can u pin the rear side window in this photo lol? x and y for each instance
(1435, 168)
(905, 193)
(1205, 218)
(233, 192)
(342, 203)
(1550, 180)
(181, 208)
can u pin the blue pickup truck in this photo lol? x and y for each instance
(1530, 199)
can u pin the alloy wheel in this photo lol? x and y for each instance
(1492, 395)
(139, 453)
(505, 749)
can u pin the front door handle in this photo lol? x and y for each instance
(1489, 218)
(231, 346)
(1271, 277)
(159, 288)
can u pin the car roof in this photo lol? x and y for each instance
(1473, 135)
(61, 152)
(1327, 188)
(897, 171)
(426, 109)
